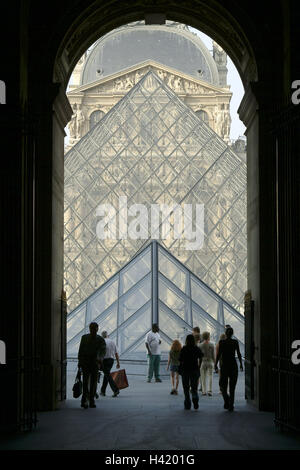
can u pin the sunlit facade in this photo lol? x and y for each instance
(119, 59)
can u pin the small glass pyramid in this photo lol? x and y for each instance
(152, 149)
(154, 287)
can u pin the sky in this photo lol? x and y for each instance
(237, 89)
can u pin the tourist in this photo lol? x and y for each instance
(207, 363)
(173, 363)
(222, 336)
(198, 339)
(189, 358)
(229, 370)
(153, 342)
(90, 356)
(108, 361)
(197, 335)
(229, 326)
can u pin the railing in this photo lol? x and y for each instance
(27, 375)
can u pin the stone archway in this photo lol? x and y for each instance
(213, 20)
(230, 35)
(227, 32)
(53, 51)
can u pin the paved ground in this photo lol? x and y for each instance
(146, 416)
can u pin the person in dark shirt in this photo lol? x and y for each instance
(90, 355)
(197, 335)
(189, 359)
(198, 339)
(229, 370)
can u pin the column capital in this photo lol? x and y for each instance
(248, 106)
(62, 107)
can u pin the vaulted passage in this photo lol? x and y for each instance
(46, 42)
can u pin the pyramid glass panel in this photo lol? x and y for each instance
(136, 271)
(76, 322)
(171, 325)
(230, 318)
(108, 320)
(204, 299)
(73, 346)
(104, 298)
(134, 330)
(206, 324)
(173, 271)
(152, 150)
(173, 300)
(165, 345)
(152, 298)
(135, 298)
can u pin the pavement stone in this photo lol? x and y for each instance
(146, 417)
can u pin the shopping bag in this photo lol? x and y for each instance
(77, 387)
(120, 378)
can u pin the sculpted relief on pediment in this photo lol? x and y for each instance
(124, 83)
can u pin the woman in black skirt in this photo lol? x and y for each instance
(189, 359)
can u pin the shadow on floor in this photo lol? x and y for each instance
(145, 416)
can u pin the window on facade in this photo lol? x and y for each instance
(95, 117)
(203, 115)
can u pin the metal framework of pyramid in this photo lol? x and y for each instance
(153, 149)
(154, 287)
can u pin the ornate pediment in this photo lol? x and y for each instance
(122, 82)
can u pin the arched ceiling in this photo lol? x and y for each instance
(89, 21)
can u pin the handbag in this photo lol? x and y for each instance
(77, 387)
(120, 378)
(180, 369)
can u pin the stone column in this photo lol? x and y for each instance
(253, 112)
(286, 128)
(55, 112)
(17, 137)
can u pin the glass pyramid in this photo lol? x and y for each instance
(154, 287)
(152, 149)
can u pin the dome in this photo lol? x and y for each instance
(172, 45)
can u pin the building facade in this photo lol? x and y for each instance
(120, 59)
(154, 135)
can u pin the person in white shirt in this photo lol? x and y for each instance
(153, 342)
(107, 363)
(207, 364)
